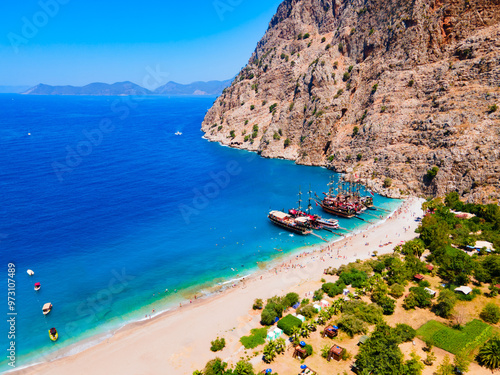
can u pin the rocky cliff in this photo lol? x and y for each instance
(401, 91)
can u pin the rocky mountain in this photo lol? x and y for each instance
(129, 88)
(97, 88)
(195, 88)
(403, 92)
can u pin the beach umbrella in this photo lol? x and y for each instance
(303, 367)
(335, 327)
(268, 371)
(302, 343)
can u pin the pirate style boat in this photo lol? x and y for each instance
(288, 222)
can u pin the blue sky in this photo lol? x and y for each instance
(77, 42)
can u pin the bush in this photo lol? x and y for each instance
(355, 131)
(276, 136)
(492, 108)
(387, 304)
(273, 107)
(318, 295)
(411, 82)
(387, 182)
(252, 107)
(287, 142)
(258, 304)
(351, 325)
(257, 337)
(405, 332)
(306, 35)
(288, 322)
(218, 344)
(290, 299)
(243, 368)
(268, 316)
(308, 311)
(232, 134)
(309, 349)
(396, 290)
(346, 76)
(431, 173)
(255, 128)
(490, 313)
(333, 289)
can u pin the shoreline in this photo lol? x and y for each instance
(295, 268)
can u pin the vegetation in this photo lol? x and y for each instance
(431, 173)
(275, 307)
(257, 337)
(273, 107)
(380, 354)
(218, 344)
(287, 142)
(492, 108)
(489, 354)
(258, 304)
(288, 322)
(455, 341)
(387, 182)
(355, 131)
(490, 313)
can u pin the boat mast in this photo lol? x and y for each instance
(300, 199)
(309, 203)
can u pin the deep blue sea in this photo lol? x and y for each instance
(110, 209)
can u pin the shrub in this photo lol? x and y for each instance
(490, 313)
(309, 349)
(396, 290)
(405, 332)
(387, 304)
(232, 134)
(492, 108)
(307, 311)
(355, 131)
(290, 299)
(219, 128)
(287, 142)
(431, 173)
(374, 88)
(252, 107)
(257, 304)
(341, 47)
(273, 107)
(359, 156)
(218, 344)
(340, 92)
(288, 322)
(255, 128)
(257, 337)
(346, 76)
(411, 82)
(247, 137)
(306, 35)
(371, 31)
(276, 136)
(333, 289)
(323, 40)
(243, 368)
(351, 325)
(383, 109)
(318, 295)
(328, 46)
(387, 182)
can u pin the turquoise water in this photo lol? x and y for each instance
(110, 209)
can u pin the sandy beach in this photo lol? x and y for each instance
(178, 342)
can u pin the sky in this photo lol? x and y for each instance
(76, 42)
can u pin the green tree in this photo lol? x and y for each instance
(280, 345)
(489, 354)
(269, 352)
(215, 367)
(445, 303)
(461, 363)
(445, 368)
(490, 313)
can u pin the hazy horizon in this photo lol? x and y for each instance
(61, 42)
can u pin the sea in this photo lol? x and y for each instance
(117, 215)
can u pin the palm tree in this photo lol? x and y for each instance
(338, 305)
(269, 352)
(304, 330)
(311, 324)
(295, 333)
(280, 345)
(489, 354)
(323, 317)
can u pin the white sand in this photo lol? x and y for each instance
(178, 342)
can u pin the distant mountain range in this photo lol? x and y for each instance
(129, 88)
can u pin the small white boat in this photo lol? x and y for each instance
(38, 286)
(30, 272)
(178, 133)
(47, 308)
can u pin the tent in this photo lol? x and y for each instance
(464, 289)
(274, 333)
(317, 307)
(430, 291)
(302, 318)
(324, 303)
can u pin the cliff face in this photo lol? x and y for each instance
(387, 88)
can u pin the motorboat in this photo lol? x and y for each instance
(38, 286)
(47, 308)
(53, 334)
